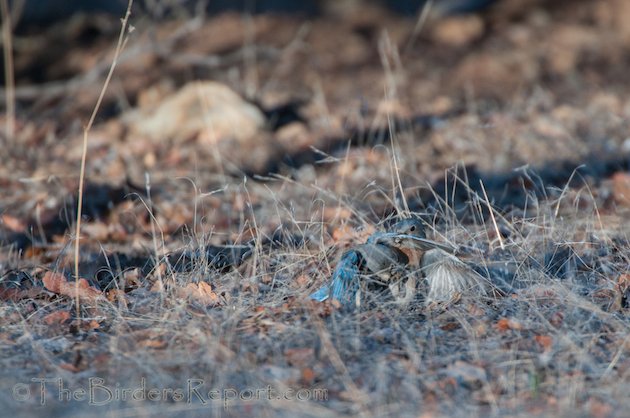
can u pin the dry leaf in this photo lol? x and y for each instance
(599, 409)
(117, 296)
(545, 341)
(98, 231)
(201, 292)
(308, 375)
(92, 325)
(57, 317)
(556, 319)
(623, 282)
(450, 326)
(621, 188)
(70, 367)
(344, 232)
(153, 343)
(505, 324)
(12, 223)
(57, 283)
(458, 31)
(12, 293)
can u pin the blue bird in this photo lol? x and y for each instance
(343, 281)
(381, 257)
(369, 259)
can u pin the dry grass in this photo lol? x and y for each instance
(556, 340)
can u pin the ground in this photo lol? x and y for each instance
(233, 159)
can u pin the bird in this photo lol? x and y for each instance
(409, 236)
(384, 257)
(370, 259)
(449, 278)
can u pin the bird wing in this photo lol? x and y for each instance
(381, 260)
(344, 284)
(378, 259)
(449, 276)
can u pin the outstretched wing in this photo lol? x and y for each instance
(345, 280)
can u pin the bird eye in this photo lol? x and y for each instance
(413, 228)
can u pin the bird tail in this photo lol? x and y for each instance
(322, 294)
(345, 284)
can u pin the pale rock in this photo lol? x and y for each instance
(200, 110)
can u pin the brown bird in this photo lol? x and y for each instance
(449, 278)
(409, 237)
(384, 259)
(390, 257)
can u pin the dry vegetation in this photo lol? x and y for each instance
(235, 157)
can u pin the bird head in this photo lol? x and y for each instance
(410, 234)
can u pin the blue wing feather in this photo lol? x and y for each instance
(322, 294)
(345, 284)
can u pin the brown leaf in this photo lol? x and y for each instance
(13, 223)
(10, 293)
(308, 375)
(458, 31)
(556, 319)
(623, 282)
(153, 343)
(117, 296)
(450, 326)
(335, 213)
(302, 281)
(92, 325)
(505, 324)
(57, 317)
(201, 292)
(545, 341)
(32, 252)
(621, 188)
(57, 283)
(343, 233)
(599, 408)
(70, 367)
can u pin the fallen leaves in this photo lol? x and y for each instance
(201, 292)
(458, 31)
(118, 296)
(13, 223)
(346, 234)
(545, 341)
(507, 324)
(621, 188)
(57, 283)
(56, 317)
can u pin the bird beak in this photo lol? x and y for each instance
(414, 242)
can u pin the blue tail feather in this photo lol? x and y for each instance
(344, 285)
(322, 294)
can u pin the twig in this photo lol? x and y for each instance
(494, 221)
(122, 40)
(9, 77)
(422, 19)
